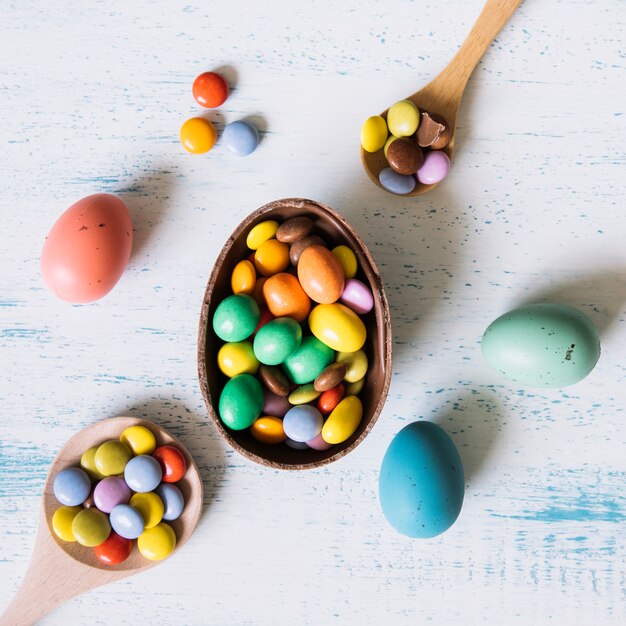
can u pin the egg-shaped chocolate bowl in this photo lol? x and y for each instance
(334, 230)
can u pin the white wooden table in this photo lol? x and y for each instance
(92, 97)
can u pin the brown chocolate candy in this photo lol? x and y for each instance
(274, 380)
(298, 247)
(330, 377)
(89, 502)
(405, 156)
(294, 228)
(433, 131)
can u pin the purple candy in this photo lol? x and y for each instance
(110, 492)
(274, 405)
(319, 444)
(357, 296)
(435, 168)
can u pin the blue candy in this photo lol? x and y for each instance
(173, 501)
(143, 473)
(240, 137)
(396, 183)
(72, 486)
(303, 423)
(126, 521)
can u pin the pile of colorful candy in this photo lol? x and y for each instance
(198, 135)
(122, 491)
(412, 142)
(294, 340)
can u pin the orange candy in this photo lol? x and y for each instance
(320, 274)
(327, 402)
(285, 297)
(272, 257)
(268, 430)
(210, 90)
(243, 279)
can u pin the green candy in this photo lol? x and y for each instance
(307, 362)
(241, 402)
(236, 317)
(542, 345)
(275, 341)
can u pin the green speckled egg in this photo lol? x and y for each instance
(542, 345)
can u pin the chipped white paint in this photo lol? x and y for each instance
(92, 96)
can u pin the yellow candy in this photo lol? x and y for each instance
(91, 527)
(388, 143)
(62, 522)
(268, 429)
(271, 257)
(197, 135)
(356, 365)
(243, 279)
(373, 133)
(339, 327)
(260, 233)
(237, 358)
(139, 439)
(157, 543)
(347, 260)
(88, 463)
(354, 389)
(150, 506)
(111, 458)
(403, 118)
(304, 394)
(343, 421)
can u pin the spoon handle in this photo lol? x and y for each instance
(492, 18)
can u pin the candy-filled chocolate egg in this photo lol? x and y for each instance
(88, 249)
(542, 345)
(421, 482)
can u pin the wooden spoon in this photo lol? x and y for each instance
(59, 570)
(443, 94)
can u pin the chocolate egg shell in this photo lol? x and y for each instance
(433, 131)
(334, 230)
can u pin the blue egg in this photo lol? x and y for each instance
(126, 521)
(72, 486)
(303, 423)
(241, 138)
(173, 501)
(396, 183)
(143, 473)
(421, 483)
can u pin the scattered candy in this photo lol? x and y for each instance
(210, 90)
(197, 135)
(241, 138)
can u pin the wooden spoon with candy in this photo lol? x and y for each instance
(442, 96)
(60, 570)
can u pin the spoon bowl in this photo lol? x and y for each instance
(443, 94)
(60, 570)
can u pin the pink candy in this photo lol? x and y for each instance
(275, 405)
(435, 168)
(357, 296)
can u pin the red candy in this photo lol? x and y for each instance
(172, 463)
(210, 90)
(265, 317)
(114, 550)
(327, 402)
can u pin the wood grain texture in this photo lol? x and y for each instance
(93, 95)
